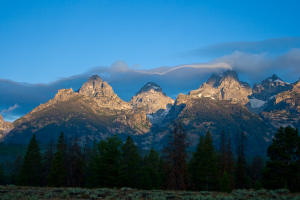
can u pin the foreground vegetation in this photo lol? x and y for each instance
(34, 193)
(114, 164)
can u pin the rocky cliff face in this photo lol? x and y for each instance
(264, 92)
(226, 86)
(5, 127)
(103, 94)
(152, 99)
(95, 110)
(284, 109)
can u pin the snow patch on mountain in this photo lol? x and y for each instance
(257, 103)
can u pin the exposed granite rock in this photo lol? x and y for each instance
(224, 87)
(264, 92)
(284, 109)
(270, 87)
(103, 93)
(152, 99)
(5, 127)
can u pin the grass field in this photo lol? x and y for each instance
(34, 193)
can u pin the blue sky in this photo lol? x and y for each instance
(48, 41)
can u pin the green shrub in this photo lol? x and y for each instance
(93, 196)
(19, 195)
(33, 197)
(49, 195)
(65, 194)
(257, 185)
(6, 197)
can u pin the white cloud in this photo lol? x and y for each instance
(11, 108)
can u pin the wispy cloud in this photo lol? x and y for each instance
(11, 108)
(270, 46)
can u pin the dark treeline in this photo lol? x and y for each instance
(112, 163)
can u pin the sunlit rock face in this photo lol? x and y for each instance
(5, 127)
(152, 99)
(103, 93)
(270, 87)
(264, 93)
(284, 109)
(226, 86)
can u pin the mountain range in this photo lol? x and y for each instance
(222, 103)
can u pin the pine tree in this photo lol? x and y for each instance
(225, 183)
(90, 172)
(208, 167)
(240, 171)
(57, 174)
(130, 167)
(222, 155)
(284, 160)
(16, 168)
(257, 185)
(175, 155)
(230, 162)
(47, 160)
(146, 182)
(107, 168)
(31, 171)
(257, 166)
(194, 165)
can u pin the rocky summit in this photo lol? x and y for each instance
(151, 98)
(226, 86)
(5, 127)
(264, 92)
(284, 109)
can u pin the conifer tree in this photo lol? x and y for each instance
(194, 165)
(240, 170)
(146, 182)
(90, 172)
(130, 167)
(284, 161)
(47, 160)
(153, 165)
(57, 175)
(256, 166)
(16, 168)
(225, 183)
(31, 171)
(175, 155)
(257, 185)
(222, 155)
(230, 162)
(107, 168)
(208, 167)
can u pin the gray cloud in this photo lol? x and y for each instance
(270, 46)
(255, 67)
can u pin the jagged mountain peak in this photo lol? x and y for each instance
(226, 86)
(216, 79)
(95, 78)
(148, 87)
(1, 118)
(151, 98)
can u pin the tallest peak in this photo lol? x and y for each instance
(95, 77)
